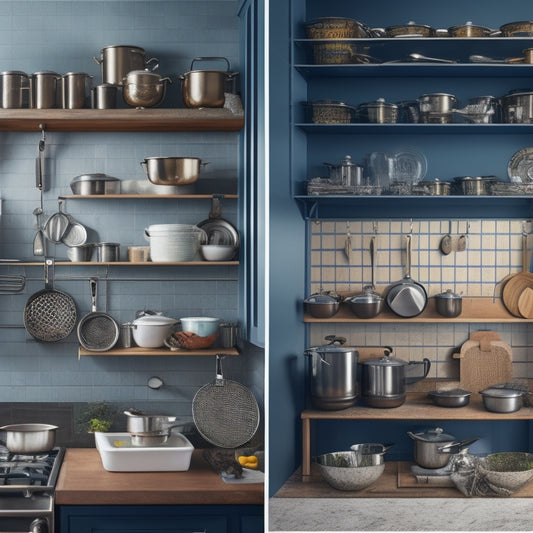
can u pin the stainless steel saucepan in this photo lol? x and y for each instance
(29, 438)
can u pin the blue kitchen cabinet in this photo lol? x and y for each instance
(164, 518)
(299, 149)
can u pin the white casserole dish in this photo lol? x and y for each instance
(151, 331)
(118, 454)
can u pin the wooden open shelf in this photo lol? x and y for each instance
(396, 482)
(122, 263)
(476, 309)
(136, 351)
(144, 196)
(127, 120)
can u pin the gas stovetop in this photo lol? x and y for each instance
(30, 472)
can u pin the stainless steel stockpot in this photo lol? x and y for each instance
(172, 170)
(205, 88)
(117, 60)
(440, 103)
(449, 304)
(333, 374)
(383, 380)
(517, 108)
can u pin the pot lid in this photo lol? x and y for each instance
(332, 348)
(433, 435)
(468, 24)
(379, 103)
(94, 177)
(46, 73)
(369, 295)
(143, 75)
(501, 392)
(13, 73)
(438, 94)
(451, 393)
(386, 360)
(449, 295)
(320, 299)
(137, 48)
(154, 320)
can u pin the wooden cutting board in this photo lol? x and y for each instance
(485, 360)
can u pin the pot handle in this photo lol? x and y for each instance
(97, 61)
(144, 166)
(455, 447)
(414, 379)
(334, 339)
(211, 59)
(152, 60)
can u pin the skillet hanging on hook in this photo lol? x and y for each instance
(446, 241)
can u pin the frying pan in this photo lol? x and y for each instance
(219, 231)
(50, 315)
(97, 331)
(225, 412)
(407, 298)
(516, 284)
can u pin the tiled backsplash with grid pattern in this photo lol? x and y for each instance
(493, 250)
(64, 36)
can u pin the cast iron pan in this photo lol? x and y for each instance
(50, 315)
(97, 331)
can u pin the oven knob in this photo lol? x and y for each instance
(39, 525)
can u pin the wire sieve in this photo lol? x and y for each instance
(97, 331)
(225, 412)
(50, 315)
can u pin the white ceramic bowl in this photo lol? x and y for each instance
(201, 325)
(151, 331)
(217, 252)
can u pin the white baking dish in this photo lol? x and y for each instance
(118, 454)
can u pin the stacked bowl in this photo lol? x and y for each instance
(174, 242)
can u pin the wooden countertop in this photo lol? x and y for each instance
(84, 481)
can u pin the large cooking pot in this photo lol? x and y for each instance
(383, 380)
(433, 447)
(206, 88)
(117, 60)
(407, 298)
(29, 438)
(45, 90)
(470, 30)
(143, 88)
(333, 374)
(151, 331)
(518, 108)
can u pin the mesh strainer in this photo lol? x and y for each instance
(97, 331)
(50, 315)
(225, 412)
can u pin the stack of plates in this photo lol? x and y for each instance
(174, 242)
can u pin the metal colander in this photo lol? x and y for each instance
(50, 315)
(225, 412)
(97, 331)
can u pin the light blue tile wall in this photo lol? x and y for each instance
(64, 36)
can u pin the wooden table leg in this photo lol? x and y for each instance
(306, 448)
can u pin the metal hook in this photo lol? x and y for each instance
(375, 227)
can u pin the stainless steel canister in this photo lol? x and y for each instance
(15, 86)
(44, 90)
(333, 374)
(228, 334)
(104, 96)
(107, 252)
(125, 338)
(76, 87)
(116, 61)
